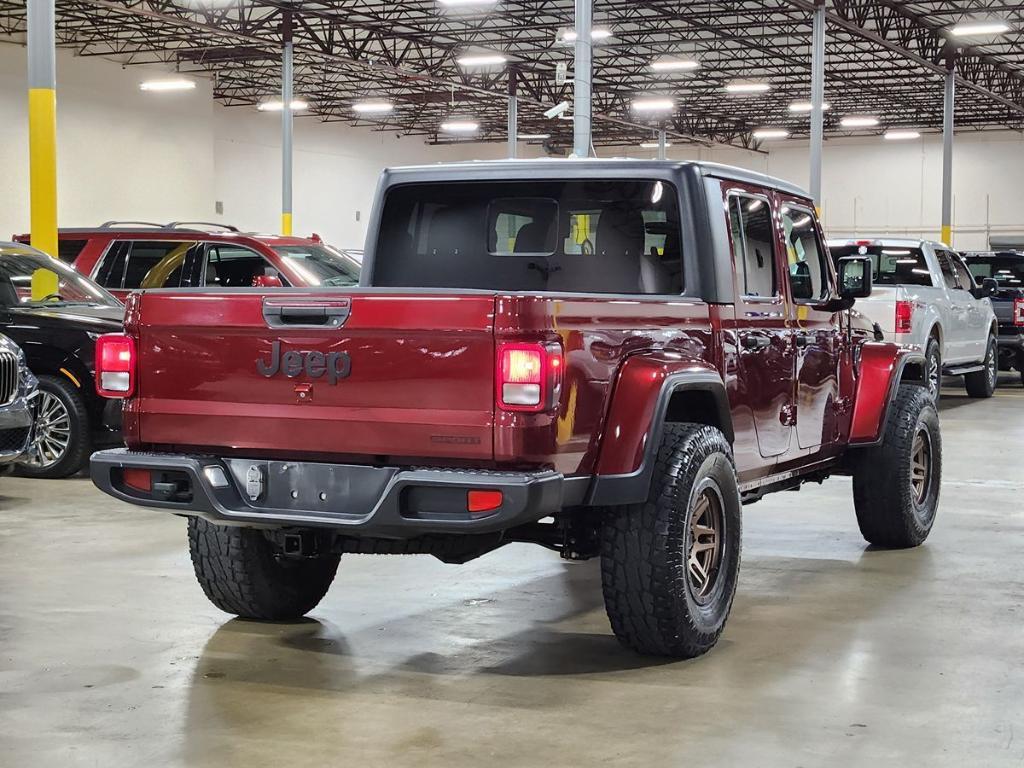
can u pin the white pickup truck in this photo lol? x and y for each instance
(925, 298)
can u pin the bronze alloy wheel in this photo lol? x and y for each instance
(707, 536)
(921, 465)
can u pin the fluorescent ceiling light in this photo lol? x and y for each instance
(674, 65)
(979, 28)
(771, 133)
(277, 106)
(533, 136)
(805, 106)
(175, 84)
(460, 126)
(481, 60)
(654, 144)
(902, 135)
(858, 121)
(747, 87)
(465, 3)
(653, 105)
(372, 107)
(597, 33)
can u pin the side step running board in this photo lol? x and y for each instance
(960, 370)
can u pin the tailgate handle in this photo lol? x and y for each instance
(279, 314)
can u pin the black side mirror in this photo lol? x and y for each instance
(989, 286)
(854, 277)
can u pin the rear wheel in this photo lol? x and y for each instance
(242, 572)
(669, 565)
(896, 484)
(983, 383)
(62, 438)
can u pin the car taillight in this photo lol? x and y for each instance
(904, 316)
(529, 376)
(1018, 311)
(115, 365)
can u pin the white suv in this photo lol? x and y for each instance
(925, 298)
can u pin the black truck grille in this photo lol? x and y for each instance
(12, 440)
(8, 377)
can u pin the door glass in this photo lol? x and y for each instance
(111, 268)
(804, 255)
(946, 265)
(230, 266)
(156, 264)
(751, 230)
(963, 277)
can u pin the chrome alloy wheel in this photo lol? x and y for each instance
(934, 377)
(707, 537)
(921, 466)
(52, 432)
(992, 367)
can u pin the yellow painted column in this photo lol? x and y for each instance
(42, 139)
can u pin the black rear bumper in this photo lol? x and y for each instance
(360, 500)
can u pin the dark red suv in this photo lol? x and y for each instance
(127, 256)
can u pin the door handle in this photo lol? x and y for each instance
(756, 342)
(296, 313)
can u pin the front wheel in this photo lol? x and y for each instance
(983, 383)
(62, 439)
(242, 572)
(896, 483)
(669, 565)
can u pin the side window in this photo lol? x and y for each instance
(805, 256)
(232, 266)
(948, 273)
(963, 276)
(110, 271)
(154, 264)
(68, 250)
(753, 251)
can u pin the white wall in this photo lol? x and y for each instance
(872, 186)
(125, 154)
(121, 153)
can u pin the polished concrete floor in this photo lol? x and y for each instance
(834, 656)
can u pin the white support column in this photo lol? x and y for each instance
(817, 100)
(582, 75)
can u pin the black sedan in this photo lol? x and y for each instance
(55, 315)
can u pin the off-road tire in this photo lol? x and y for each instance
(983, 383)
(645, 547)
(933, 362)
(890, 512)
(76, 455)
(241, 573)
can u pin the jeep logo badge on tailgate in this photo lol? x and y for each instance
(334, 365)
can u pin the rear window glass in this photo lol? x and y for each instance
(596, 236)
(891, 265)
(1008, 271)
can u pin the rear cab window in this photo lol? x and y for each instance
(1008, 271)
(591, 236)
(890, 264)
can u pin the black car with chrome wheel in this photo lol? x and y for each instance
(55, 315)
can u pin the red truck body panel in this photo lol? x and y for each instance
(421, 385)
(421, 381)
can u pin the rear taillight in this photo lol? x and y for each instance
(529, 376)
(1018, 311)
(115, 365)
(904, 316)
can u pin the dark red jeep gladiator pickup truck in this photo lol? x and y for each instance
(604, 357)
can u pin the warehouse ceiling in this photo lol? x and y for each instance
(884, 58)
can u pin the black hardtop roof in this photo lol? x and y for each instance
(559, 168)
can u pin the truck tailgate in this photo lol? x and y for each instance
(348, 373)
(880, 306)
